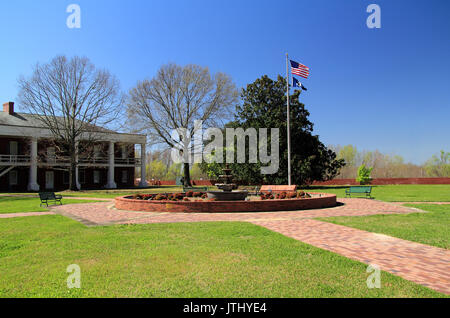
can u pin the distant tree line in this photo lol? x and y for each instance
(390, 166)
(161, 168)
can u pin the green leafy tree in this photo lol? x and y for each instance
(213, 169)
(348, 153)
(173, 172)
(156, 169)
(364, 174)
(438, 166)
(196, 172)
(264, 106)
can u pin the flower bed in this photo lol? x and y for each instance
(198, 202)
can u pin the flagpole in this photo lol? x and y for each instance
(288, 120)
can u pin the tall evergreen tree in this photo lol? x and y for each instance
(264, 106)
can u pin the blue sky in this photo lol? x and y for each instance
(386, 89)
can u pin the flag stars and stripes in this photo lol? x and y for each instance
(299, 69)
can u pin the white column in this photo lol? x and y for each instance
(143, 182)
(32, 181)
(111, 184)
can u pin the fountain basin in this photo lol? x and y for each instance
(325, 200)
(227, 195)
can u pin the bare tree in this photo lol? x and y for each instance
(73, 100)
(175, 98)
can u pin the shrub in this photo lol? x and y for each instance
(160, 197)
(364, 174)
(189, 194)
(186, 199)
(292, 195)
(197, 194)
(267, 196)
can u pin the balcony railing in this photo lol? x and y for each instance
(55, 160)
(91, 160)
(14, 159)
(127, 161)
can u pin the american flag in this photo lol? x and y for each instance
(299, 69)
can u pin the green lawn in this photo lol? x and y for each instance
(120, 192)
(211, 259)
(390, 193)
(430, 228)
(110, 194)
(29, 204)
(399, 193)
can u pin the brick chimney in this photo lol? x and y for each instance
(8, 108)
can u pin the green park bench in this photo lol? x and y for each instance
(367, 190)
(49, 196)
(195, 189)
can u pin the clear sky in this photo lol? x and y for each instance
(386, 89)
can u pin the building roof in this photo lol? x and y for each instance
(29, 124)
(30, 120)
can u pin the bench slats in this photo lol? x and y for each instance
(278, 188)
(367, 190)
(46, 196)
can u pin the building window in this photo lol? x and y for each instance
(51, 155)
(97, 151)
(66, 177)
(13, 177)
(96, 176)
(82, 176)
(124, 151)
(124, 176)
(13, 148)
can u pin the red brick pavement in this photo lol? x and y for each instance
(416, 262)
(103, 213)
(423, 264)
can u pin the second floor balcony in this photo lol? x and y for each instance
(25, 160)
(90, 161)
(15, 160)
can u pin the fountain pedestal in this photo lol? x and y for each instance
(227, 187)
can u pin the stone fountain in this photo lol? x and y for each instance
(227, 186)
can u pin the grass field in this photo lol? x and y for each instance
(390, 193)
(27, 204)
(430, 228)
(115, 193)
(212, 259)
(398, 193)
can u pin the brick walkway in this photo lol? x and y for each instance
(425, 265)
(422, 264)
(103, 213)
